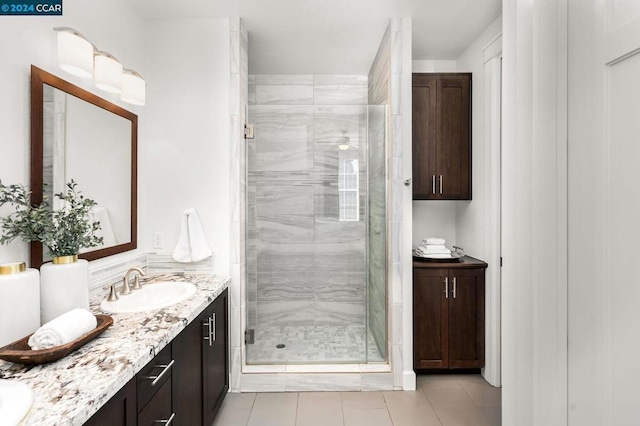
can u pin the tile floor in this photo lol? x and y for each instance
(440, 400)
(323, 344)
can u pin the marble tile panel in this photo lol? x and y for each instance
(322, 382)
(286, 313)
(288, 228)
(284, 94)
(234, 94)
(235, 363)
(326, 160)
(397, 142)
(284, 79)
(251, 93)
(396, 321)
(396, 94)
(349, 289)
(278, 200)
(323, 368)
(396, 277)
(332, 230)
(282, 123)
(340, 80)
(279, 291)
(263, 383)
(340, 94)
(330, 121)
(396, 51)
(334, 313)
(396, 366)
(261, 369)
(234, 53)
(284, 156)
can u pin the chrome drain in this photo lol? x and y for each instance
(280, 345)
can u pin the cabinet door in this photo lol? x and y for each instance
(424, 137)
(430, 309)
(453, 141)
(215, 358)
(120, 410)
(466, 318)
(187, 379)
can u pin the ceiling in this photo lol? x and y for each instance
(336, 36)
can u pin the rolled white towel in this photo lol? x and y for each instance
(433, 241)
(63, 329)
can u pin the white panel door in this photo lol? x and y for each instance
(604, 212)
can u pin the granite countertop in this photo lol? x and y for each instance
(71, 390)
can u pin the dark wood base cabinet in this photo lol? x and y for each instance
(448, 314)
(184, 384)
(202, 366)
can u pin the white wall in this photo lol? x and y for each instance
(472, 216)
(27, 40)
(434, 66)
(434, 219)
(184, 148)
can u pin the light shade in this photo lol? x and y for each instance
(75, 52)
(133, 88)
(108, 72)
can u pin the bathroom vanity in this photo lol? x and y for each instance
(448, 314)
(146, 368)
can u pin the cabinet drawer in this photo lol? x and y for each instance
(158, 410)
(153, 376)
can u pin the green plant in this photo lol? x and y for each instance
(64, 231)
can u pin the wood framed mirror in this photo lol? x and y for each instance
(78, 135)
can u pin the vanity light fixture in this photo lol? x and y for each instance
(108, 72)
(78, 56)
(75, 52)
(133, 88)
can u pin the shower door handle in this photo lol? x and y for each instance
(446, 287)
(433, 184)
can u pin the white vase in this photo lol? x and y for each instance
(64, 285)
(19, 302)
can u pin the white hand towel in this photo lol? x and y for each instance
(433, 241)
(192, 244)
(63, 329)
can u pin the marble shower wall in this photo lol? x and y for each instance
(305, 265)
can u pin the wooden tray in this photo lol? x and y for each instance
(20, 352)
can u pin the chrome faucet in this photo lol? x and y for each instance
(126, 289)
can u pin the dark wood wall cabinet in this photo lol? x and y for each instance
(448, 314)
(184, 384)
(442, 136)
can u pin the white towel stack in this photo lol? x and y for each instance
(63, 329)
(433, 248)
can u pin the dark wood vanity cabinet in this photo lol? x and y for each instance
(184, 384)
(201, 366)
(448, 314)
(441, 136)
(120, 410)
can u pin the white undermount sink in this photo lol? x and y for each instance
(151, 296)
(16, 399)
